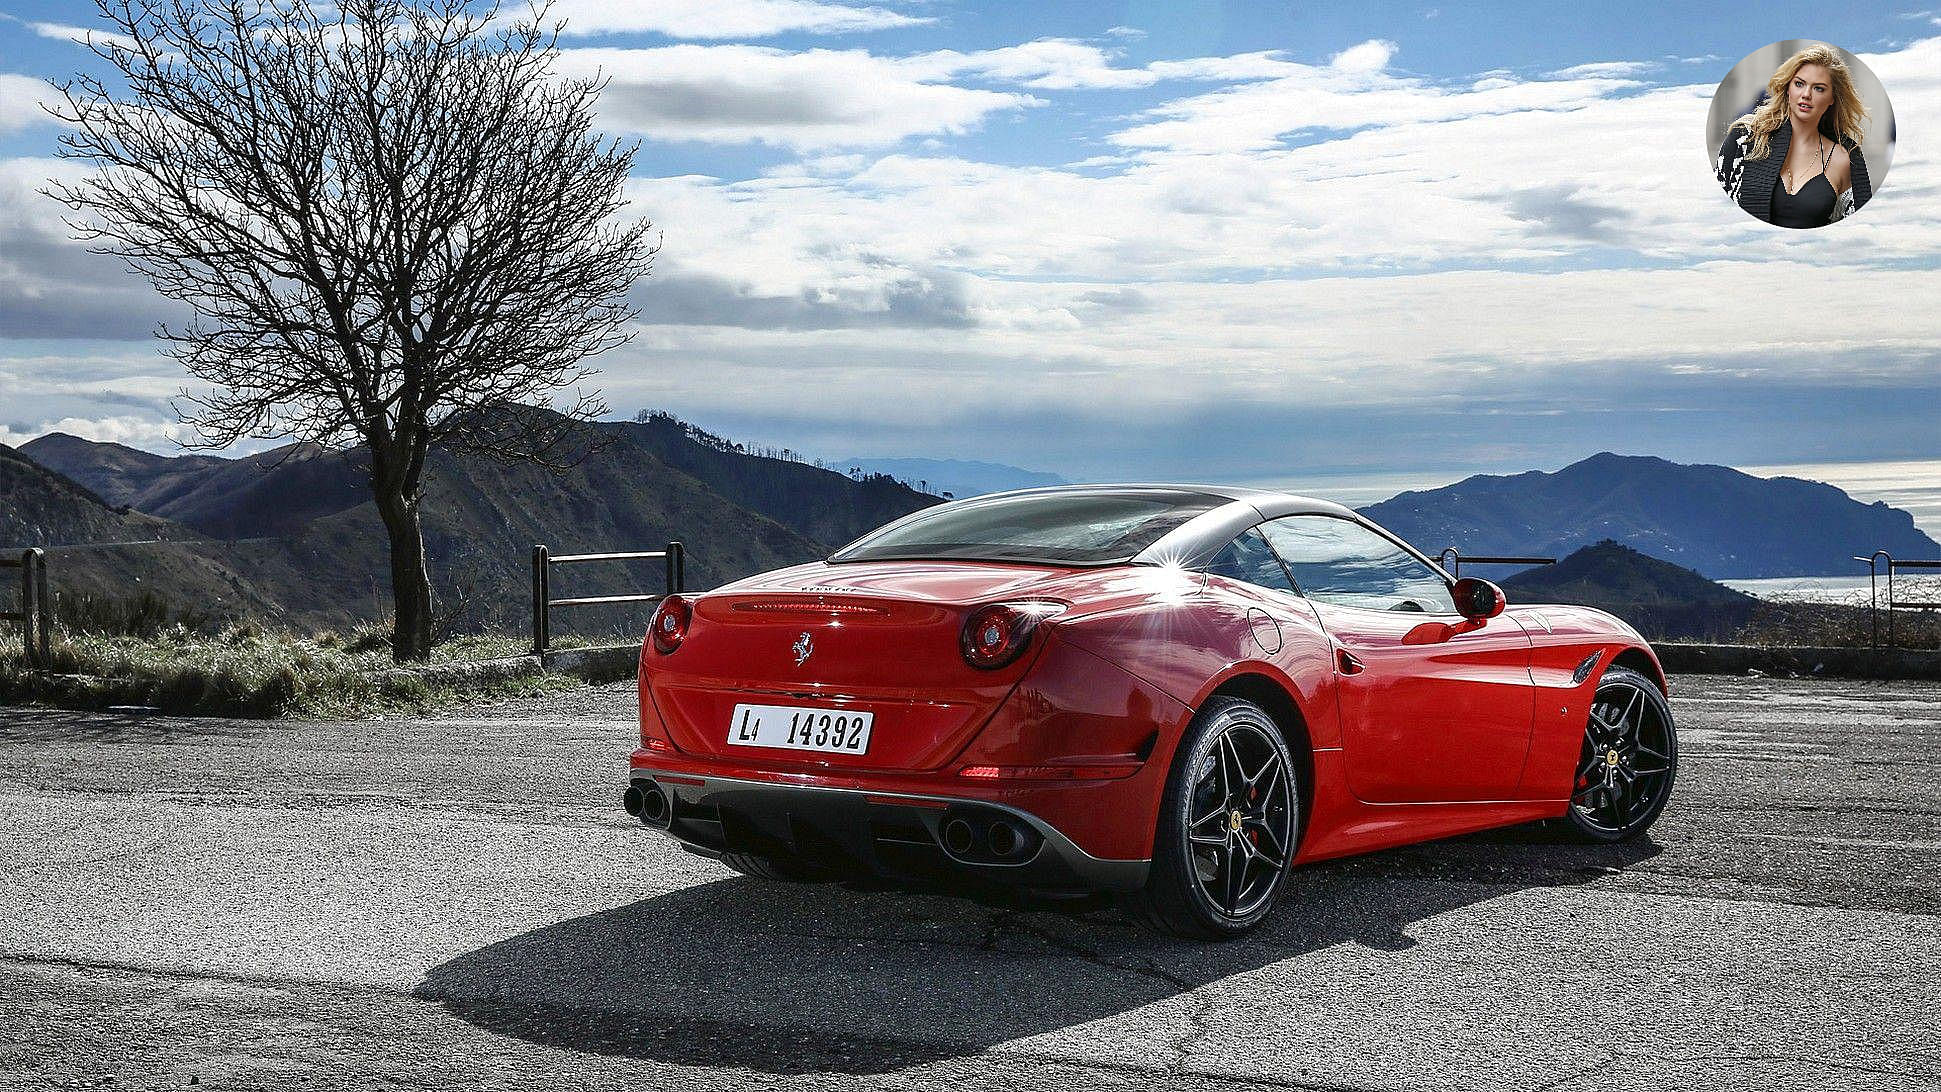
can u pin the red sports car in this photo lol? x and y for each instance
(1178, 692)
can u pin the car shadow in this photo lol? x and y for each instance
(791, 979)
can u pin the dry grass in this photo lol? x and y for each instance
(245, 671)
(1849, 622)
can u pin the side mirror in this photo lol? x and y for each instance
(1477, 599)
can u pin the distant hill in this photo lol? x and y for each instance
(101, 554)
(120, 475)
(1658, 598)
(960, 478)
(41, 507)
(273, 493)
(298, 525)
(1716, 520)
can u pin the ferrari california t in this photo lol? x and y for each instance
(1176, 692)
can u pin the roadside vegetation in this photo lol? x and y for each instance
(247, 671)
(1848, 623)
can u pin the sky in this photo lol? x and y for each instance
(1272, 243)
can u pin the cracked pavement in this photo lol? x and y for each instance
(458, 900)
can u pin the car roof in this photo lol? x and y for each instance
(1192, 543)
(1270, 502)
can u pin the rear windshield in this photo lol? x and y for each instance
(1068, 528)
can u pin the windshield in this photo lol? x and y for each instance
(1100, 528)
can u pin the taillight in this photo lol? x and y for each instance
(998, 633)
(669, 624)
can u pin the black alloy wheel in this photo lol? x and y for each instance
(1628, 760)
(1229, 823)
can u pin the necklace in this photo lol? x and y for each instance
(1825, 158)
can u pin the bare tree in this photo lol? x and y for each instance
(391, 218)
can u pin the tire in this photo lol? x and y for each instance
(1628, 761)
(1230, 797)
(773, 868)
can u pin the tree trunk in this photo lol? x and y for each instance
(410, 580)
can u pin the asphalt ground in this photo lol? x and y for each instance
(458, 901)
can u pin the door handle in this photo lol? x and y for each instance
(1346, 662)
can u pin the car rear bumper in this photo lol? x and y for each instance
(892, 835)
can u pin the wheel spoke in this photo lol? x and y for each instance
(1624, 720)
(1232, 775)
(1596, 729)
(1637, 803)
(1268, 781)
(1277, 857)
(1643, 772)
(1614, 802)
(1644, 750)
(1236, 880)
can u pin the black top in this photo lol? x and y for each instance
(1751, 181)
(1053, 527)
(1811, 207)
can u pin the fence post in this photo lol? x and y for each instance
(541, 600)
(676, 559)
(1451, 561)
(1890, 603)
(43, 608)
(27, 603)
(1873, 596)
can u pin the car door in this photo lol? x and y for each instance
(1433, 707)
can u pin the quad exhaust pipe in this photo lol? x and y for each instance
(959, 839)
(979, 841)
(648, 802)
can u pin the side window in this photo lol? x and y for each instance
(1339, 561)
(1249, 560)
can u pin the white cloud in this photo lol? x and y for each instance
(78, 35)
(1049, 64)
(20, 102)
(812, 99)
(1216, 260)
(1600, 69)
(1352, 92)
(1370, 56)
(717, 19)
(139, 432)
(1064, 64)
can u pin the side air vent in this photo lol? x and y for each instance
(1584, 669)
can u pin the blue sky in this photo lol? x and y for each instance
(1276, 243)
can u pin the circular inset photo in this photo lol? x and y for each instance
(1800, 133)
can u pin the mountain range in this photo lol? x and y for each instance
(298, 529)
(1718, 521)
(291, 536)
(957, 478)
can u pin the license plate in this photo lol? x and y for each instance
(838, 731)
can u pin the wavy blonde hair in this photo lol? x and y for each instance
(1845, 120)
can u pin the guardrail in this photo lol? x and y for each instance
(1883, 562)
(33, 612)
(1451, 560)
(675, 557)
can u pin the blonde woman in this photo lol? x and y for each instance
(1795, 160)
